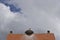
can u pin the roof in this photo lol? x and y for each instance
(45, 36)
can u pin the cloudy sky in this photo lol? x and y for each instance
(19, 15)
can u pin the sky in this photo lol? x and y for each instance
(20, 15)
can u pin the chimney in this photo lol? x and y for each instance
(48, 31)
(11, 32)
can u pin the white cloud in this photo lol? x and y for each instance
(8, 19)
(37, 13)
(6, 16)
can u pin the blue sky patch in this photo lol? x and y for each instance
(13, 8)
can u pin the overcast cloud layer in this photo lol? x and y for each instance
(40, 15)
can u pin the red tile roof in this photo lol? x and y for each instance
(47, 36)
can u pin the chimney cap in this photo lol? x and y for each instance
(29, 32)
(48, 31)
(11, 32)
